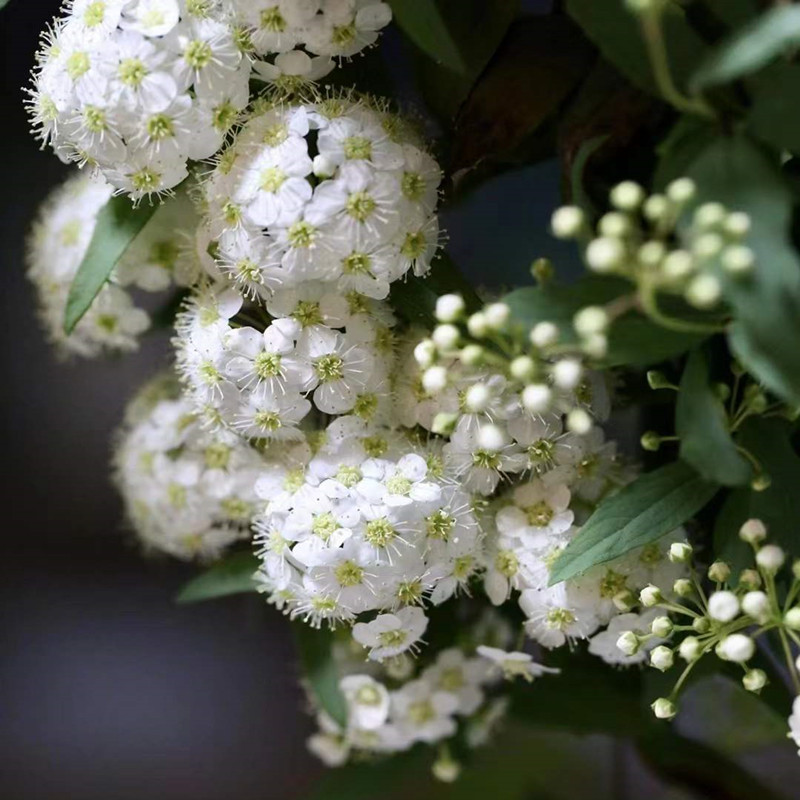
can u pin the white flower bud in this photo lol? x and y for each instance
(682, 587)
(707, 246)
(445, 769)
(662, 627)
(477, 398)
(434, 379)
(737, 648)
(446, 337)
(536, 398)
(753, 531)
(754, 680)
(425, 353)
(681, 191)
(703, 292)
(544, 334)
(650, 596)
(627, 196)
(579, 421)
(756, 605)
(797, 663)
(719, 572)
(628, 643)
(710, 215)
(477, 325)
(678, 265)
(497, 315)
(323, 167)
(690, 649)
(567, 373)
(737, 224)
(664, 708)
(589, 320)
(656, 207)
(449, 307)
(523, 368)
(567, 222)
(615, 225)
(792, 618)
(444, 424)
(701, 625)
(738, 259)
(605, 254)
(651, 254)
(749, 579)
(472, 355)
(680, 552)
(770, 558)
(624, 601)
(662, 658)
(491, 438)
(595, 345)
(723, 606)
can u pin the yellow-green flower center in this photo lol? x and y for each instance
(379, 532)
(348, 574)
(357, 147)
(360, 206)
(539, 514)
(329, 368)
(198, 54)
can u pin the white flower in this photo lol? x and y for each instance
(391, 634)
(367, 701)
(561, 612)
(794, 722)
(515, 664)
(540, 509)
(463, 677)
(422, 713)
(604, 644)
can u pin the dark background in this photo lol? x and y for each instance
(109, 691)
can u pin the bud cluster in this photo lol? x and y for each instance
(725, 621)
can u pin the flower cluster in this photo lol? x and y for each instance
(364, 531)
(188, 492)
(651, 241)
(336, 191)
(305, 35)
(58, 243)
(726, 621)
(139, 87)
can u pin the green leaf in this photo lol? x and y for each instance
(4, 3)
(774, 115)
(766, 305)
(750, 48)
(232, 575)
(702, 425)
(423, 23)
(617, 33)
(642, 512)
(314, 646)
(118, 223)
(633, 340)
(769, 440)
(688, 138)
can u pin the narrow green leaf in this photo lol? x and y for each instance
(645, 510)
(232, 575)
(702, 425)
(766, 305)
(422, 22)
(617, 33)
(4, 3)
(751, 47)
(319, 669)
(118, 223)
(633, 340)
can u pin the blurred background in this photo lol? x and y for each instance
(110, 691)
